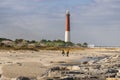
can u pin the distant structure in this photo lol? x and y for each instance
(91, 46)
(67, 31)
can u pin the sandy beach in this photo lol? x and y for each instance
(34, 64)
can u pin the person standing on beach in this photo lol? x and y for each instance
(67, 53)
(63, 53)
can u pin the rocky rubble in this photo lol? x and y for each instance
(108, 67)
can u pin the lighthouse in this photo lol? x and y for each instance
(67, 30)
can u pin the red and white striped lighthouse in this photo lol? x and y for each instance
(67, 31)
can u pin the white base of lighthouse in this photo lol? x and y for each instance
(67, 36)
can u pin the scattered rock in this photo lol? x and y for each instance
(22, 78)
(73, 67)
(112, 71)
(20, 64)
(85, 62)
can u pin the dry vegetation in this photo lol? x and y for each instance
(21, 44)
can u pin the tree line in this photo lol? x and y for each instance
(27, 44)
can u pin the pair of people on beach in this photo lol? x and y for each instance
(67, 53)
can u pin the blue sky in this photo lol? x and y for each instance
(93, 21)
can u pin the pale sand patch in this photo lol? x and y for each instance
(31, 69)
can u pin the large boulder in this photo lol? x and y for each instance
(22, 78)
(73, 67)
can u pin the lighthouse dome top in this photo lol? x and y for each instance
(67, 12)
